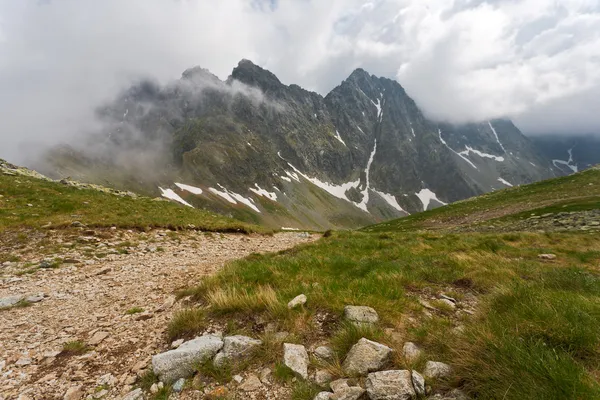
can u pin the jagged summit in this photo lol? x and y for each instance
(266, 152)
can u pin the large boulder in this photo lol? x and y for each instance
(295, 358)
(361, 315)
(181, 362)
(436, 370)
(235, 348)
(418, 383)
(323, 396)
(366, 356)
(390, 385)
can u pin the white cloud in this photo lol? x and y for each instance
(535, 60)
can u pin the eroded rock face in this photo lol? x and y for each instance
(295, 358)
(234, 348)
(390, 385)
(181, 362)
(366, 356)
(436, 370)
(361, 315)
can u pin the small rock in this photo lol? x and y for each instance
(74, 393)
(350, 393)
(107, 379)
(547, 257)
(143, 316)
(181, 362)
(361, 315)
(154, 388)
(452, 299)
(418, 383)
(323, 377)
(238, 378)
(323, 396)
(98, 338)
(339, 384)
(103, 271)
(10, 301)
(178, 386)
(220, 392)
(100, 394)
(177, 343)
(21, 362)
(295, 358)
(324, 353)
(235, 348)
(36, 298)
(299, 300)
(366, 356)
(252, 384)
(390, 385)
(449, 303)
(136, 394)
(265, 376)
(411, 352)
(435, 370)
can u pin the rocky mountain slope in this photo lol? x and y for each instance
(265, 152)
(570, 153)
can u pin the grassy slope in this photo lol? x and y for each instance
(60, 205)
(535, 331)
(570, 193)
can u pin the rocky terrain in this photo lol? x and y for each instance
(84, 310)
(265, 152)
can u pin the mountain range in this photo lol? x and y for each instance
(264, 152)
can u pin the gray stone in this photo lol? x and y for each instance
(361, 315)
(251, 384)
(295, 358)
(98, 338)
(452, 299)
(35, 298)
(178, 386)
(238, 378)
(390, 385)
(339, 384)
(411, 352)
(136, 394)
(449, 303)
(10, 301)
(324, 353)
(74, 393)
(265, 376)
(181, 362)
(323, 377)
(435, 370)
(299, 300)
(323, 396)
(366, 356)
(418, 383)
(235, 348)
(547, 257)
(350, 393)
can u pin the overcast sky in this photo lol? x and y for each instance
(536, 61)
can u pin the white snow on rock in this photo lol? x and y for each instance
(481, 154)
(532, 164)
(390, 199)
(496, 135)
(505, 182)
(452, 150)
(171, 195)
(569, 163)
(338, 137)
(360, 129)
(188, 188)
(363, 204)
(233, 197)
(378, 107)
(285, 178)
(262, 192)
(426, 195)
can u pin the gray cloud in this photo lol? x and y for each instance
(537, 61)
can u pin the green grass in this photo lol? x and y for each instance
(577, 192)
(303, 390)
(134, 310)
(186, 324)
(75, 347)
(56, 204)
(535, 322)
(282, 373)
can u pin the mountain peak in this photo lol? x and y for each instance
(253, 75)
(360, 73)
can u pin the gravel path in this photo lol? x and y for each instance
(88, 302)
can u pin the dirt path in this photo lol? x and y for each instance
(88, 302)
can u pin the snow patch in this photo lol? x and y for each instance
(188, 188)
(363, 204)
(126, 113)
(285, 178)
(338, 137)
(426, 195)
(262, 192)
(532, 164)
(233, 197)
(496, 135)
(505, 182)
(171, 195)
(452, 150)
(481, 154)
(283, 228)
(390, 199)
(360, 129)
(378, 107)
(569, 163)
